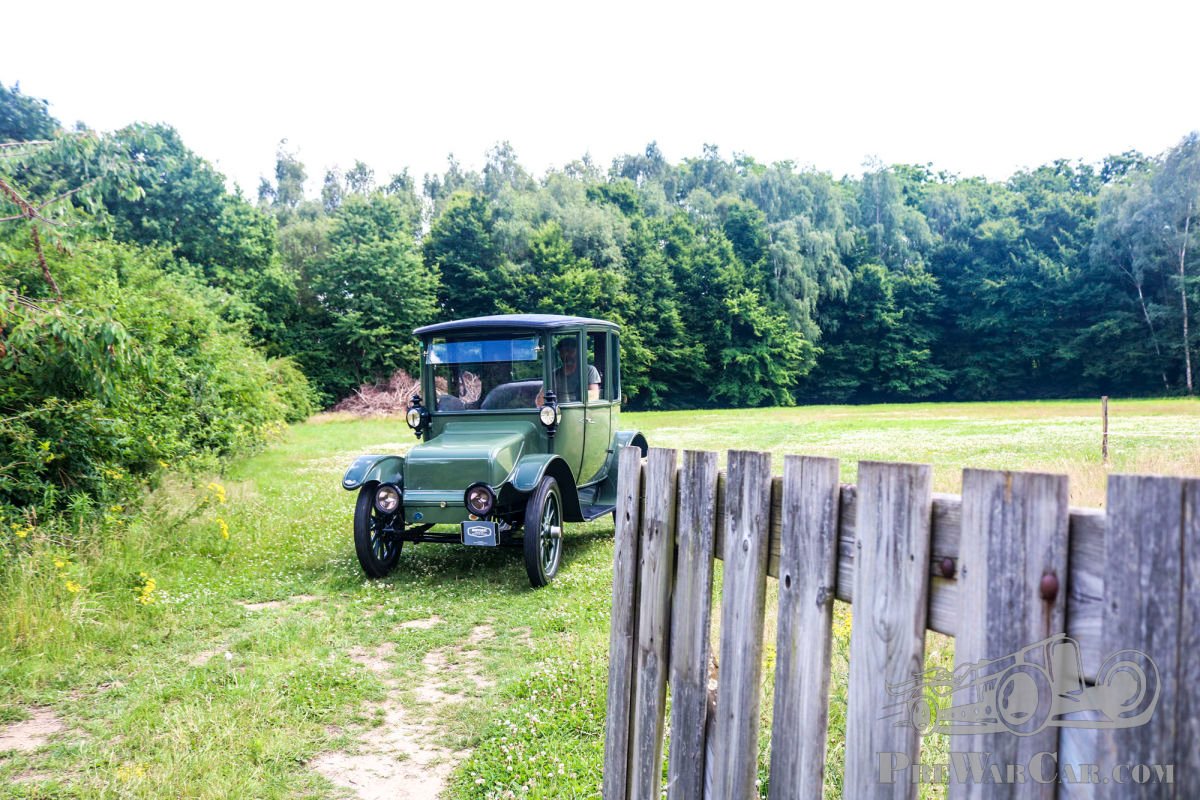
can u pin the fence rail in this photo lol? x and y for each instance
(1006, 566)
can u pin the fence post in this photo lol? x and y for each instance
(1012, 591)
(655, 577)
(743, 593)
(691, 614)
(887, 638)
(623, 633)
(807, 577)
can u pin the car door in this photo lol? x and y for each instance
(598, 419)
(567, 381)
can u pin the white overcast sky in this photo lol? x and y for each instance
(976, 88)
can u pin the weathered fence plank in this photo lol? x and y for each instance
(887, 640)
(691, 613)
(655, 575)
(1143, 588)
(807, 577)
(1012, 571)
(747, 523)
(623, 633)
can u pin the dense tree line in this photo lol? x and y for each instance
(738, 283)
(742, 283)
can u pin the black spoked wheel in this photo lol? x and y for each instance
(375, 542)
(543, 533)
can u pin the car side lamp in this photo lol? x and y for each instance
(550, 415)
(417, 416)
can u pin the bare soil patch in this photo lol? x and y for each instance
(402, 757)
(375, 660)
(270, 604)
(32, 733)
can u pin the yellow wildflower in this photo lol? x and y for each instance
(146, 590)
(59, 563)
(163, 464)
(224, 526)
(73, 587)
(216, 491)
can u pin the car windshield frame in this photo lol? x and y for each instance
(497, 352)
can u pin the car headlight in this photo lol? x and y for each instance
(479, 499)
(413, 418)
(387, 499)
(547, 415)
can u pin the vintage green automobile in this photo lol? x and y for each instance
(518, 436)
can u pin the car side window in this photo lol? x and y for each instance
(597, 366)
(567, 377)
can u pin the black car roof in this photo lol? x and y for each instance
(526, 321)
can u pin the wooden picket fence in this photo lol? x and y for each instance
(1005, 565)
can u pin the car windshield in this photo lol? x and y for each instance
(486, 373)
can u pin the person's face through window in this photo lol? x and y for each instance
(570, 359)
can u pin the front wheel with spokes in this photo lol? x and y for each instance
(376, 541)
(543, 533)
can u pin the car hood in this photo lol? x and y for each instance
(468, 452)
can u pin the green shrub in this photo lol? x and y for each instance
(135, 371)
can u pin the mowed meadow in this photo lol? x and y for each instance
(221, 641)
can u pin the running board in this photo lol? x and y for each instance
(590, 513)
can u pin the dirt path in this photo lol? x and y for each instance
(401, 758)
(30, 734)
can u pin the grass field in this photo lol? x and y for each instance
(221, 641)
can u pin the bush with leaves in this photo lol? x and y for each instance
(135, 370)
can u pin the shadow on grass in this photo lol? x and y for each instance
(434, 564)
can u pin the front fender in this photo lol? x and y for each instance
(382, 469)
(530, 469)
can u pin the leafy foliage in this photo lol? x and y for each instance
(138, 371)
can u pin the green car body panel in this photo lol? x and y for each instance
(481, 424)
(374, 468)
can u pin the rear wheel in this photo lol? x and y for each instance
(543, 533)
(377, 546)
